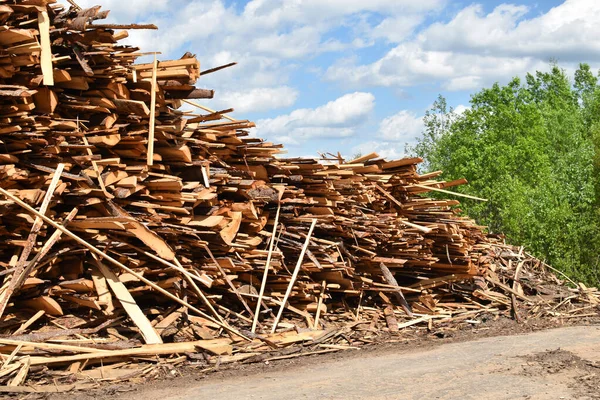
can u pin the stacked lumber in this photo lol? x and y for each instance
(131, 230)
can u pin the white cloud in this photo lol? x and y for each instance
(409, 64)
(402, 128)
(285, 29)
(267, 37)
(460, 109)
(257, 99)
(396, 29)
(471, 28)
(475, 49)
(128, 10)
(274, 12)
(336, 119)
(387, 150)
(567, 32)
(395, 132)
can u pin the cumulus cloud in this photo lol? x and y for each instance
(395, 133)
(267, 37)
(258, 99)
(336, 119)
(461, 108)
(475, 49)
(409, 64)
(398, 28)
(567, 32)
(401, 127)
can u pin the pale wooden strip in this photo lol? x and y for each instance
(208, 109)
(216, 346)
(49, 346)
(266, 271)
(447, 192)
(294, 275)
(131, 308)
(150, 159)
(30, 321)
(46, 56)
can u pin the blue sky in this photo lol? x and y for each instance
(353, 75)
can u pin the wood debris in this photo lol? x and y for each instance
(136, 236)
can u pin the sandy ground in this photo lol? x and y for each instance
(562, 363)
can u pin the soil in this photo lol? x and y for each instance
(576, 373)
(580, 374)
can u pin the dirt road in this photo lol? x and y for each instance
(561, 363)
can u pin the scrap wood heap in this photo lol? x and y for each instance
(135, 235)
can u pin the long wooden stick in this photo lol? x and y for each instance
(51, 346)
(31, 239)
(178, 267)
(515, 285)
(210, 71)
(389, 278)
(150, 159)
(199, 292)
(208, 109)
(98, 252)
(55, 237)
(231, 285)
(318, 314)
(217, 346)
(466, 196)
(163, 261)
(294, 276)
(30, 321)
(75, 5)
(95, 165)
(266, 271)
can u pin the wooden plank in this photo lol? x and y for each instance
(320, 304)
(364, 158)
(150, 158)
(132, 107)
(391, 280)
(45, 303)
(129, 305)
(101, 287)
(46, 56)
(401, 163)
(215, 346)
(25, 345)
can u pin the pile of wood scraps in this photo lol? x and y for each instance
(136, 237)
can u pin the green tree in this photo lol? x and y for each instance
(437, 121)
(532, 149)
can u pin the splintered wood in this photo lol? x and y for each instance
(136, 236)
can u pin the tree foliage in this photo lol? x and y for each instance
(532, 148)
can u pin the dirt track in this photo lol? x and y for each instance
(560, 363)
